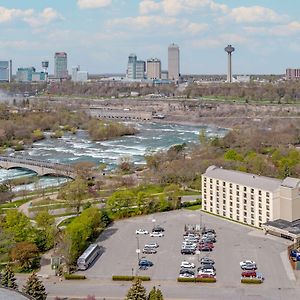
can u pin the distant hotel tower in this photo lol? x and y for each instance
(174, 62)
(135, 68)
(6, 70)
(61, 65)
(153, 68)
(293, 74)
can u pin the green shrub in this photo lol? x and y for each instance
(251, 281)
(130, 278)
(209, 280)
(74, 277)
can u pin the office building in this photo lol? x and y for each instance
(79, 76)
(292, 74)
(39, 76)
(74, 73)
(153, 68)
(250, 198)
(174, 62)
(135, 68)
(5, 71)
(61, 65)
(164, 74)
(25, 74)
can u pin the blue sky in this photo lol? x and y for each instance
(98, 35)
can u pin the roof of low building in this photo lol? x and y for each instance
(292, 227)
(9, 294)
(242, 178)
(290, 182)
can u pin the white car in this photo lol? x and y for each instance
(188, 265)
(186, 275)
(156, 234)
(207, 272)
(151, 245)
(141, 231)
(247, 262)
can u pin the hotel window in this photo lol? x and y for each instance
(230, 197)
(217, 181)
(230, 185)
(230, 192)
(259, 192)
(217, 199)
(217, 205)
(259, 205)
(245, 189)
(237, 199)
(267, 219)
(245, 207)
(252, 209)
(268, 207)
(259, 224)
(245, 195)
(218, 212)
(231, 203)
(259, 211)
(204, 179)
(252, 191)
(204, 190)
(252, 197)
(230, 209)
(267, 194)
(224, 196)
(211, 186)
(237, 218)
(252, 216)
(259, 199)
(237, 205)
(224, 183)
(237, 187)
(268, 214)
(237, 212)
(210, 180)
(210, 209)
(204, 184)
(245, 201)
(218, 194)
(204, 207)
(211, 198)
(252, 222)
(245, 214)
(217, 188)
(224, 190)
(245, 220)
(224, 201)
(268, 201)
(237, 193)
(211, 192)
(231, 216)
(224, 207)
(252, 203)
(224, 213)
(260, 218)
(204, 196)
(204, 201)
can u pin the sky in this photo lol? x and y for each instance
(99, 35)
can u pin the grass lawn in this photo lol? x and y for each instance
(194, 207)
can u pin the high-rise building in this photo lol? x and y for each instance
(25, 74)
(6, 70)
(293, 74)
(135, 68)
(174, 62)
(61, 65)
(153, 68)
(74, 72)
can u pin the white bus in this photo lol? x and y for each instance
(88, 256)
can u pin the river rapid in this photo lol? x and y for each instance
(77, 148)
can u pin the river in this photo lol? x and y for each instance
(76, 148)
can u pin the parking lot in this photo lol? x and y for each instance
(235, 243)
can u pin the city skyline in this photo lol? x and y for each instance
(99, 34)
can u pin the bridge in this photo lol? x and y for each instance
(40, 167)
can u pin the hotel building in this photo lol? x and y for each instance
(250, 198)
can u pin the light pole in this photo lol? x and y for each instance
(198, 253)
(138, 250)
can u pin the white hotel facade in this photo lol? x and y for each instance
(250, 198)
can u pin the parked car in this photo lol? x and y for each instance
(205, 248)
(158, 229)
(185, 270)
(260, 276)
(141, 231)
(149, 251)
(202, 244)
(207, 260)
(151, 245)
(145, 263)
(249, 267)
(206, 267)
(206, 276)
(247, 262)
(188, 251)
(207, 272)
(156, 234)
(249, 273)
(208, 231)
(186, 264)
(186, 275)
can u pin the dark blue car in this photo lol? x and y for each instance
(145, 263)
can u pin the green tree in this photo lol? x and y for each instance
(172, 193)
(35, 288)
(74, 193)
(19, 226)
(8, 279)
(120, 202)
(137, 291)
(155, 294)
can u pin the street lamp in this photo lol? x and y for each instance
(198, 253)
(138, 250)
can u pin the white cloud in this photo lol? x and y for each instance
(175, 7)
(195, 28)
(7, 14)
(254, 14)
(83, 4)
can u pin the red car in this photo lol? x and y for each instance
(211, 245)
(250, 273)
